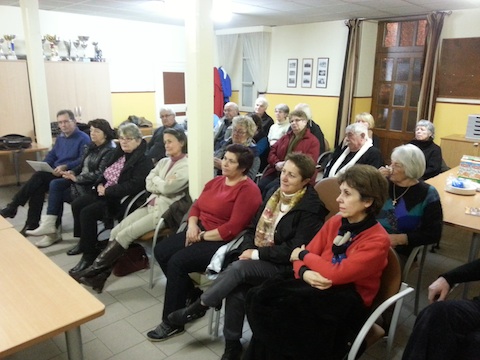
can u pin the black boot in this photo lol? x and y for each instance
(75, 250)
(97, 282)
(188, 314)
(105, 260)
(9, 211)
(84, 263)
(233, 350)
(27, 227)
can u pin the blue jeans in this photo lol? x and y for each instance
(58, 193)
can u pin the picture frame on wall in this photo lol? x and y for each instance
(292, 68)
(322, 72)
(307, 71)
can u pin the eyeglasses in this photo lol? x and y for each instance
(296, 120)
(165, 115)
(63, 122)
(239, 132)
(125, 139)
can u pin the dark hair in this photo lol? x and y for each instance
(369, 182)
(244, 156)
(304, 163)
(179, 135)
(68, 112)
(103, 125)
(257, 119)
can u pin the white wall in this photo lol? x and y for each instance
(462, 24)
(366, 61)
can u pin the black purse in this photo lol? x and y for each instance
(15, 142)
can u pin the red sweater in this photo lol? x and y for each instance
(363, 266)
(229, 209)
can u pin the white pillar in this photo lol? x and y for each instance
(199, 93)
(36, 71)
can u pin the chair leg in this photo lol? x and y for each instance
(419, 280)
(152, 262)
(214, 322)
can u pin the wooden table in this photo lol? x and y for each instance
(38, 299)
(453, 206)
(35, 148)
(4, 224)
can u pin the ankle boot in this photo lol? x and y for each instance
(97, 282)
(233, 350)
(84, 263)
(105, 260)
(75, 250)
(50, 239)
(47, 226)
(9, 211)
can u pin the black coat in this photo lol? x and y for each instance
(433, 157)
(295, 228)
(96, 158)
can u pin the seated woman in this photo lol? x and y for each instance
(412, 214)
(282, 125)
(424, 134)
(313, 126)
(75, 182)
(243, 130)
(166, 183)
(366, 119)
(359, 149)
(298, 139)
(290, 218)
(317, 314)
(225, 207)
(261, 142)
(124, 176)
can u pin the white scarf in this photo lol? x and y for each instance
(333, 171)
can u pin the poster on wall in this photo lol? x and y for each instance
(322, 72)
(292, 73)
(307, 70)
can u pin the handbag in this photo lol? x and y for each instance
(133, 259)
(15, 142)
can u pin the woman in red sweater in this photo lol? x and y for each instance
(337, 275)
(225, 207)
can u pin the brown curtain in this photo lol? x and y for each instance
(348, 80)
(427, 98)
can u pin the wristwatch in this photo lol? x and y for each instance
(202, 235)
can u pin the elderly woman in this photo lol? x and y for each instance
(166, 183)
(359, 149)
(124, 176)
(318, 314)
(261, 106)
(225, 207)
(298, 139)
(366, 119)
(424, 134)
(282, 125)
(75, 182)
(243, 131)
(313, 126)
(412, 214)
(290, 218)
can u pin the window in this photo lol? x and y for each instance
(248, 94)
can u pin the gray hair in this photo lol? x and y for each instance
(428, 125)
(168, 110)
(283, 108)
(263, 101)
(130, 130)
(411, 158)
(231, 104)
(247, 121)
(305, 108)
(367, 117)
(357, 129)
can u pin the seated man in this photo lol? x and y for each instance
(65, 155)
(223, 132)
(156, 147)
(447, 329)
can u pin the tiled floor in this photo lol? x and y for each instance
(132, 308)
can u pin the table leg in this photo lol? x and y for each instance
(74, 344)
(16, 165)
(472, 255)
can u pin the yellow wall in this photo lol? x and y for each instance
(452, 119)
(363, 104)
(139, 104)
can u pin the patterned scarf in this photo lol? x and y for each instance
(278, 203)
(346, 236)
(112, 173)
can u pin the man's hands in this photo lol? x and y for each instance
(438, 290)
(59, 170)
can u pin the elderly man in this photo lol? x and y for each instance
(156, 147)
(65, 155)
(224, 131)
(261, 106)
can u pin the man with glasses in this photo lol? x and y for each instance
(156, 147)
(66, 154)
(224, 131)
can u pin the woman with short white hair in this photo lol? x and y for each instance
(424, 134)
(261, 106)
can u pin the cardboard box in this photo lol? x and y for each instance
(470, 168)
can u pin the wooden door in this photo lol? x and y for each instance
(398, 73)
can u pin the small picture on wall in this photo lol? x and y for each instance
(292, 72)
(307, 70)
(322, 72)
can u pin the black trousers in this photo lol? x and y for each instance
(446, 330)
(33, 192)
(177, 261)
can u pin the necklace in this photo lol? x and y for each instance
(395, 198)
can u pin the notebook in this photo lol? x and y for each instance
(40, 166)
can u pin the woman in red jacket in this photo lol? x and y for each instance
(297, 139)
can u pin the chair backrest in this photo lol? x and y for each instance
(327, 145)
(391, 279)
(328, 190)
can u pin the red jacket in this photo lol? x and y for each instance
(308, 145)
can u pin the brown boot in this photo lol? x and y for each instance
(105, 260)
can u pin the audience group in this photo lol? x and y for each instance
(300, 279)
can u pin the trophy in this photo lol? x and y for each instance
(2, 56)
(68, 46)
(98, 52)
(54, 41)
(83, 44)
(11, 47)
(76, 43)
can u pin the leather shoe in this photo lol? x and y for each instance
(75, 250)
(164, 331)
(8, 211)
(27, 227)
(188, 314)
(84, 263)
(233, 350)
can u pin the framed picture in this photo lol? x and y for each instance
(322, 72)
(307, 70)
(292, 72)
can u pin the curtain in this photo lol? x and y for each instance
(427, 98)
(227, 46)
(256, 47)
(349, 78)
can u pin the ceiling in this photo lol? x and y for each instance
(263, 12)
